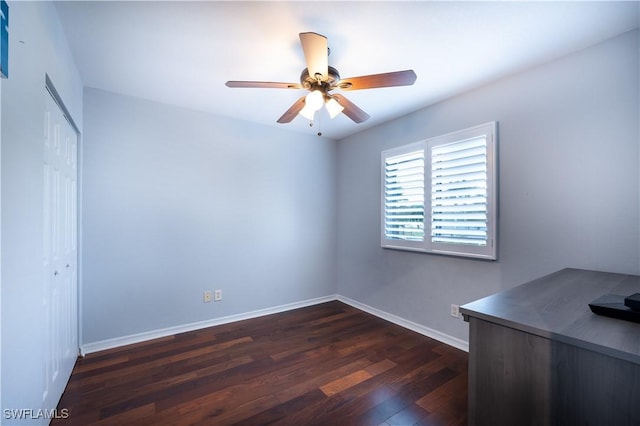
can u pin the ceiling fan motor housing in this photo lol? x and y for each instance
(310, 82)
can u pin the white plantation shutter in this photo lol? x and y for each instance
(440, 195)
(404, 194)
(459, 192)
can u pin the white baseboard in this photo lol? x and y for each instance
(418, 328)
(155, 334)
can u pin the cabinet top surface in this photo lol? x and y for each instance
(556, 306)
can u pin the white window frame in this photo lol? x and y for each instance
(487, 251)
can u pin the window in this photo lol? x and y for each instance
(440, 196)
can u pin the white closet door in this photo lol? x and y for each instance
(60, 269)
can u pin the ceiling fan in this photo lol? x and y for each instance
(320, 79)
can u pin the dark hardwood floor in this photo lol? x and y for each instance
(328, 364)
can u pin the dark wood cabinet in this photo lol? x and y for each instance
(539, 356)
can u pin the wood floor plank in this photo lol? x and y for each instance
(324, 364)
(410, 415)
(345, 382)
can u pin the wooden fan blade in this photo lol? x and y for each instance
(263, 84)
(316, 53)
(291, 113)
(388, 79)
(351, 110)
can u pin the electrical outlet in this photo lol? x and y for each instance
(217, 295)
(207, 296)
(455, 311)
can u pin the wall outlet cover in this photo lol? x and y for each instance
(455, 311)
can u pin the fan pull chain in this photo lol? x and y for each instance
(319, 124)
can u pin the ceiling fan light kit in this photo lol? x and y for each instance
(319, 79)
(333, 107)
(314, 100)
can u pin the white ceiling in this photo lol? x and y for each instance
(182, 53)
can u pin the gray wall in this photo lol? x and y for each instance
(176, 202)
(37, 47)
(568, 176)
